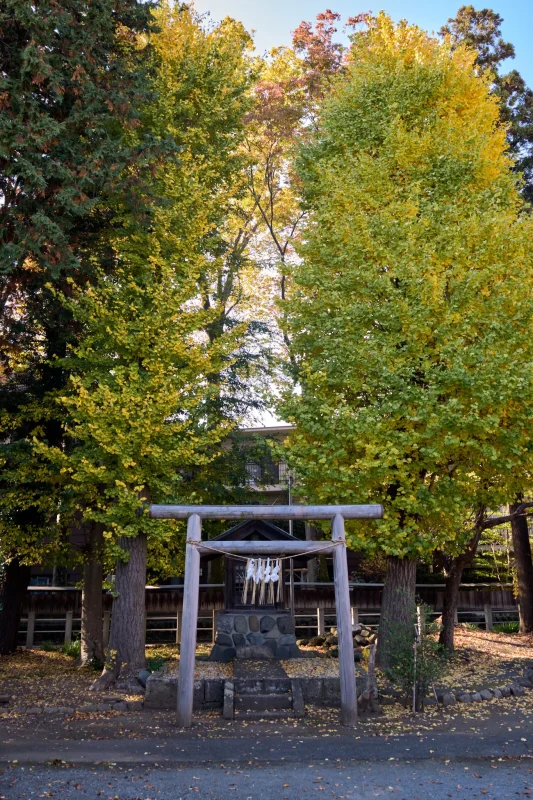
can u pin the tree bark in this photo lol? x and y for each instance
(453, 571)
(397, 604)
(524, 568)
(126, 652)
(59, 575)
(92, 649)
(453, 577)
(14, 580)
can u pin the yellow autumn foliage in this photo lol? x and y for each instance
(413, 299)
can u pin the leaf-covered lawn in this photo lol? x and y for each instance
(484, 659)
(38, 678)
(203, 669)
(35, 678)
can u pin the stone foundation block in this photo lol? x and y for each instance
(287, 639)
(286, 625)
(255, 651)
(312, 690)
(214, 691)
(198, 694)
(332, 691)
(227, 709)
(225, 623)
(241, 623)
(221, 653)
(161, 691)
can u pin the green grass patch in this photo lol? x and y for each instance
(506, 627)
(72, 649)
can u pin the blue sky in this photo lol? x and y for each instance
(273, 20)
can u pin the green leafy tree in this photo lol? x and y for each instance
(410, 301)
(143, 403)
(70, 83)
(416, 660)
(481, 30)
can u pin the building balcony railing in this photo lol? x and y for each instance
(268, 473)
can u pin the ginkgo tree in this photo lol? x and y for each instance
(481, 29)
(140, 410)
(413, 295)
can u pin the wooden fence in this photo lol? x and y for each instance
(54, 613)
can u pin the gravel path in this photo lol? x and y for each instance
(416, 780)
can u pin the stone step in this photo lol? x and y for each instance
(249, 686)
(262, 702)
(261, 686)
(279, 714)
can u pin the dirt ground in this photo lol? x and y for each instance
(513, 715)
(34, 678)
(112, 753)
(484, 659)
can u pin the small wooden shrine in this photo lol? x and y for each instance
(258, 620)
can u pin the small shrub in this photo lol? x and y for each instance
(431, 658)
(48, 646)
(72, 649)
(507, 627)
(154, 663)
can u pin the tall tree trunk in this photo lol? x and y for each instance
(59, 575)
(397, 604)
(126, 651)
(453, 571)
(14, 579)
(92, 649)
(453, 577)
(524, 568)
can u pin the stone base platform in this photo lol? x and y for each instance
(256, 635)
(162, 690)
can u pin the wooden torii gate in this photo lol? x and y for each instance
(194, 516)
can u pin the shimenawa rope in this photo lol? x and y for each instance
(262, 572)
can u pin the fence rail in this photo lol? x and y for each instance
(269, 472)
(61, 629)
(53, 613)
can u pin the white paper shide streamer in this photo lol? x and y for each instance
(261, 577)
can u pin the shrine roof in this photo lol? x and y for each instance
(245, 530)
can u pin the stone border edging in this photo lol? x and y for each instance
(209, 693)
(116, 705)
(512, 689)
(517, 689)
